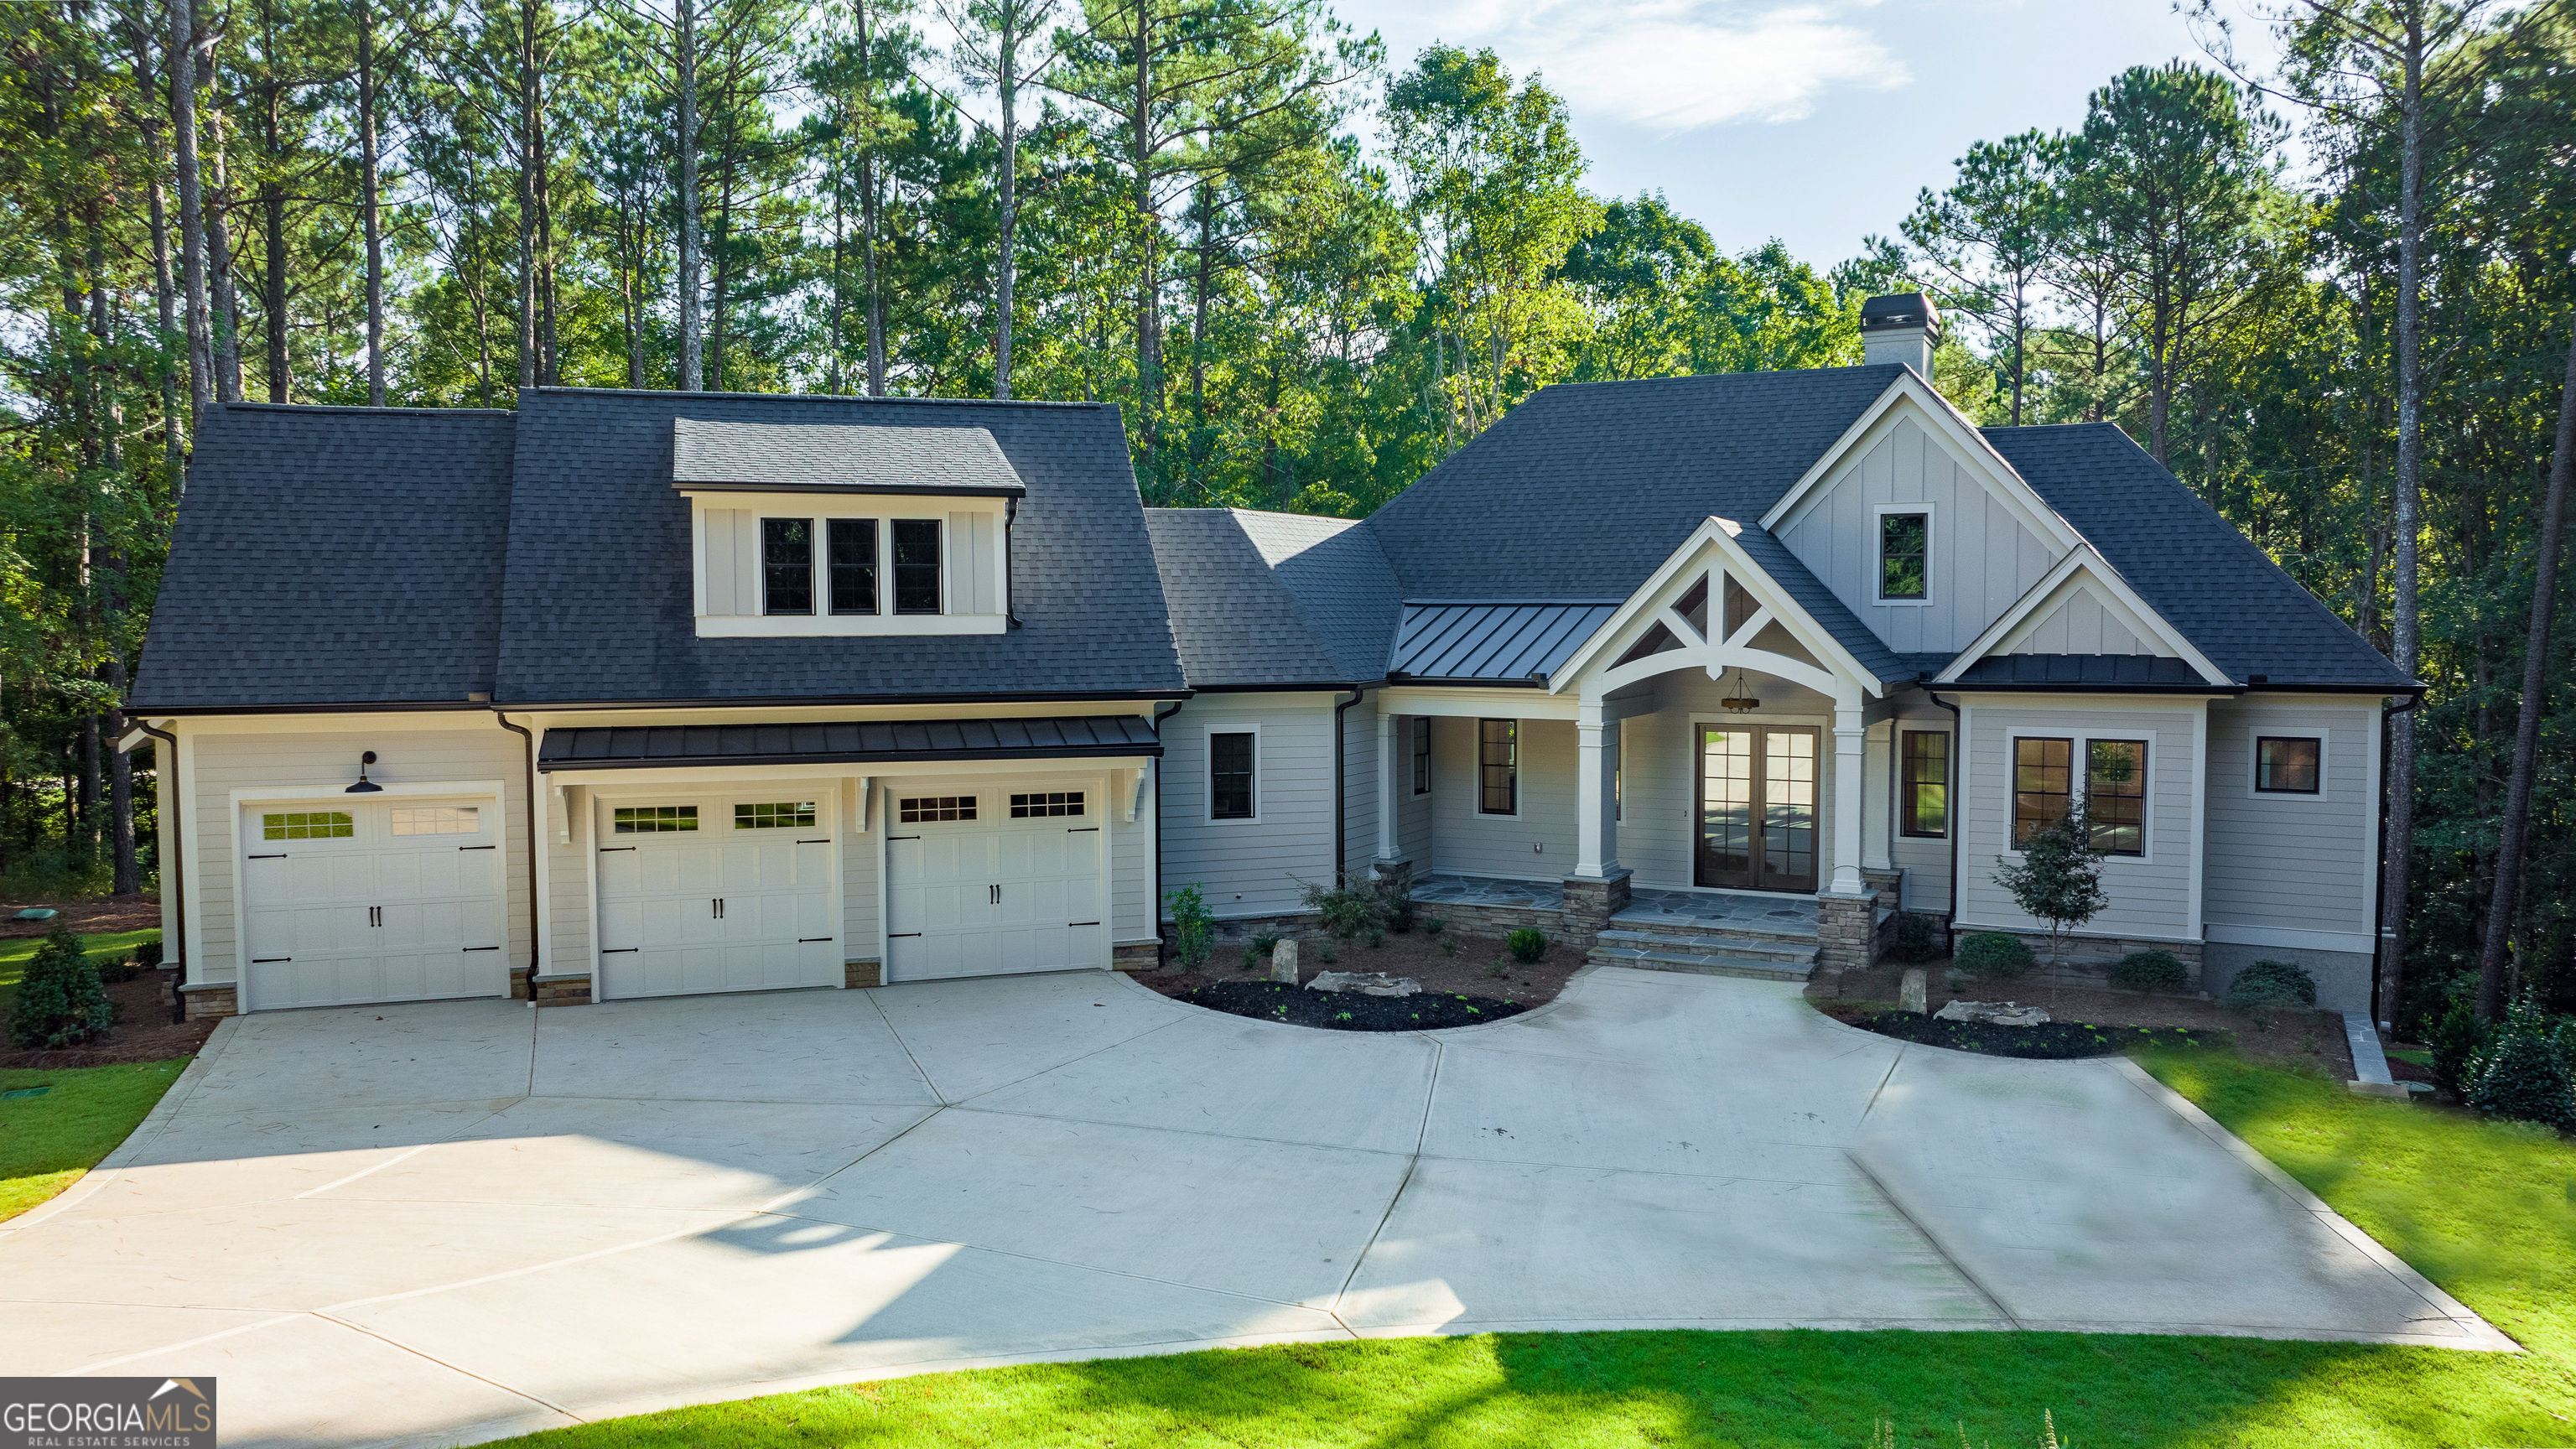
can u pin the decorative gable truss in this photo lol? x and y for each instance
(2082, 607)
(1711, 606)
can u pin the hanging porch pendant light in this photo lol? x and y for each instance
(1740, 698)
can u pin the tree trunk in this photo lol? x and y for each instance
(148, 118)
(272, 211)
(370, 183)
(685, 58)
(192, 215)
(870, 299)
(2399, 847)
(1149, 392)
(2535, 705)
(1006, 55)
(527, 139)
(219, 257)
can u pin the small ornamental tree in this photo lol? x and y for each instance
(61, 1002)
(2059, 879)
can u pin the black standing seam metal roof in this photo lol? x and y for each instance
(2131, 671)
(612, 747)
(1511, 642)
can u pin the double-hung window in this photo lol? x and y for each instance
(1422, 754)
(1230, 775)
(857, 553)
(1904, 556)
(1924, 789)
(1498, 767)
(2115, 795)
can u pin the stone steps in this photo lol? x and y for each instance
(1800, 951)
(1756, 968)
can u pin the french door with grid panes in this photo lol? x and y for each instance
(1755, 824)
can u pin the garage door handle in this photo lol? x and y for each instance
(810, 940)
(495, 847)
(826, 840)
(269, 960)
(1082, 830)
(608, 849)
(900, 935)
(891, 838)
(621, 950)
(281, 855)
(486, 948)
(1071, 924)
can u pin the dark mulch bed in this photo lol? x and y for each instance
(2054, 1041)
(1342, 1011)
(143, 1032)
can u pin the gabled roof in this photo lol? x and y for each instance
(1822, 605)
(2085, 570)
(2189, 564)
(1503, 643)
(333, 556)
(1270, 599)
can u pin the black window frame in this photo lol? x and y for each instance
(2025, 824)
(860, 578)
(2316, 764)
(1920, 553)
(1493, 736)
(911, 575)
(780, 576)
(2115, 806)
(1422, 754)
(1234, 792)
(1910, 784)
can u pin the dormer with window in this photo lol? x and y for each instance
(839, 529)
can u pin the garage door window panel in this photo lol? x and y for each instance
(308, 825)
(1046, 804)
(934, 809)
(437, 820)
(654, 819)
(774, 815)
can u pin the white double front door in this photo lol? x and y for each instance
(986, 879)
(353, 900)
(718, 892)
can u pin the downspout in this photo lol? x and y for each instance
(174, 872)
(2384, 972)
(1341, 787)
(1950, 811)
(1159, 717)
(536, 943)
(1010, 600)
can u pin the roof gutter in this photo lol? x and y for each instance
(815, 701)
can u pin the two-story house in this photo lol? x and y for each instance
(632, 694)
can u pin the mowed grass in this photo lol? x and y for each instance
(2487, 1211)
(104, 947)
(47, 1142)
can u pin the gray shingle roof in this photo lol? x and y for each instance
(2189, 564)
(1822, 605)
(603, 747)
(1273, 598)
(843, 457)
(597, 604)
(1503, 642)
(333, 556)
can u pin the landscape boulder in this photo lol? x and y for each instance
(1993, 1013)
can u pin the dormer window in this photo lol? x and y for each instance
(1904, 554)
(841, 529)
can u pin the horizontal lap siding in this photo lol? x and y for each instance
(1251, 867)
(2292, 862)
(1470, 843)
(568, 944)
(2150, 897)
(326, 763)
(1925, 861)
(1131, 867)
(1361, 781)
(1413, 831)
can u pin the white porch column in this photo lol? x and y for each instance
(1596, 819)
(1877, 816)
(1387, 765)
(1850, 788)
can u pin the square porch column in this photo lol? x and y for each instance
(1846, 909)
(1598, 888)
(1390, 863)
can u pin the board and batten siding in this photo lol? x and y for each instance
(1982, 557)
(2150, 898)
(325, 761)
(1251, 867)
(1659, 778)
(2280, 862)
(2081, 624)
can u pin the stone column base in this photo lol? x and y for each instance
(566, 988)
(519, 982)
(1136, 956)
(1846, 931)
(211, 1001)
(1590, 902)
(857, 975)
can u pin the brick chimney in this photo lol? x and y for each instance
(1902, 328)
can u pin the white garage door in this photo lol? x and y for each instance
(982, 881)
(349, 901)
(717, 893)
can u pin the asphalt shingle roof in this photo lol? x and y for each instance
(1273, 598)
(862, 458)
(333, 556)
(2188, 563)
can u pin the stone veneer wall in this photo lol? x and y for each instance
(208, 1003)
(1847, 932)
(1494, 920)
(2087, 956)
(859, 975)
(570, 988)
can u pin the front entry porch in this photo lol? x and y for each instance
(1766, 935)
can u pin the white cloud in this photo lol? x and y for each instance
(1667, 66)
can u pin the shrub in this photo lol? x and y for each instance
(2457, 1039)
(2521, 1075)
(1448, 945)
(2150, 971)
(2268, 986)
(1352, 909)
(1526, 944)
(114, 972)
(1325, 953)
(1993, 954)
(60, 1000)
(1434, 926)
(1257, 955)
(148, 955)
(1912, 940)
(1193, 924)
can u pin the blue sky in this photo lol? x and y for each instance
(1815, 121)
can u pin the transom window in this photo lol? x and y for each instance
(1498, 767)
(763, 815)
(1046, 802)
(308, 825)
(2115, 795)
(2043, 784)
(1904, 555)
(654, 819)
(1924, 787)
(2288, 764)
(438, 820)
(916, 809)
(1422, 754)
(857, 553)
(1230, 765)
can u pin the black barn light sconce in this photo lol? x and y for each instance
(364, 785)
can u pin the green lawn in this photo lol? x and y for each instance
(2489, 1212)
(47, 1142)
(105, 947)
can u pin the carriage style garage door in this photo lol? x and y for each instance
(985, 879)
(717, 893)
(348, 901)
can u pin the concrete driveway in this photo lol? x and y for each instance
(450, 1223)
